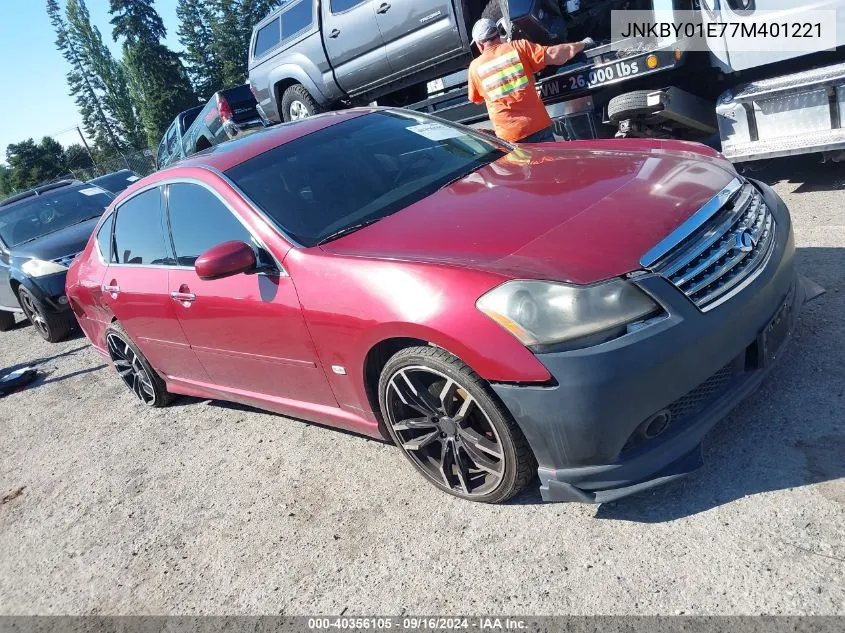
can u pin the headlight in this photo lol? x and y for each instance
(546, 313)
(40, 268)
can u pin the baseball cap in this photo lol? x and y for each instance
(483, 30)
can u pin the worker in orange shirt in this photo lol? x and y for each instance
(503, 77)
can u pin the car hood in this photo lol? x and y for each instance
(67, 241)
(571, 212)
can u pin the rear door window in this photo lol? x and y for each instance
(339, 6)
(268, 37)
(296, 19)
(138, 232)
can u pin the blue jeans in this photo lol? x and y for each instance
(543, 136)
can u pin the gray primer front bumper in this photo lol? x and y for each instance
(579, 426)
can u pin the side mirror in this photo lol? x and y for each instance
(225, 260)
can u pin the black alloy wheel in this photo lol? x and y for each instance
(135, 370)
(52, 327)
(447, 423)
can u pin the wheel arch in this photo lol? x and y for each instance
(375, 360)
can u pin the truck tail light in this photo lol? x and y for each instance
(224, 109)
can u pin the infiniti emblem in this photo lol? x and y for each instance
(746, 239)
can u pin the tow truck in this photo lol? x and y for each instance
(750, 105)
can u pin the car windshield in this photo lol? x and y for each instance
(51, 211)
(115, 182)
(343, 177)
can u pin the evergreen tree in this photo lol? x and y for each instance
(79, 82)
(229, 46)
(157, 79)
(106, 75)
(196, 34)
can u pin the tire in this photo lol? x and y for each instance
(7, 321)
(493, 11)
(474, 450)
(134, 369)
(297, 94)
(51, 326)
(631, 105)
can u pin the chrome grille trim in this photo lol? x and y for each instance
(691, 225)
(713, 265)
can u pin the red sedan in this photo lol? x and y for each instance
(586, 311)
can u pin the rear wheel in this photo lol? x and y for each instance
(7, 321)
(450, 426)
(135, 370)
(52, 327)
(297, 104)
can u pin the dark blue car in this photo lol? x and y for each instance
(41, 231)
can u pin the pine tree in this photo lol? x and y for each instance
(156, 76)
(107, 76)
(229, 47)
(196, 22)
(94, 120)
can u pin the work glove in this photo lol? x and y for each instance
(588, 42)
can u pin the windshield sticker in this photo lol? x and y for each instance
(436, 131)
(133, 178)
(91, 191)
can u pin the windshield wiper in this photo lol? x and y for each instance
(347, 230)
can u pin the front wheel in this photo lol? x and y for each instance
(298, 104)
(450, 426)
(52, 327)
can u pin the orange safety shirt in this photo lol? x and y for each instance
(503, 76)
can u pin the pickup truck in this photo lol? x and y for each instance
(227, 115)
(309, 56)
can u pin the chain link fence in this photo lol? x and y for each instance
(84, 166)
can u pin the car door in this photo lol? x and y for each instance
(354, 44)
(135, 286)
(417, 32)
(247, 330)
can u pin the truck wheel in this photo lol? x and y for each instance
(493, 11)
(631, 105)
(7, 321)
(298, 104)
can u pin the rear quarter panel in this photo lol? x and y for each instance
(352, 304)
(84, 291)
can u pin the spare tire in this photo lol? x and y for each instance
(631, 105)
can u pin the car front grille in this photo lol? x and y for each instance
(698, 398)
(685, 408)
(725, 254)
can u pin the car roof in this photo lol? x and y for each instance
(38, 190)
(227, 155)
(112, 174)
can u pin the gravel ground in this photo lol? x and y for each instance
(211, 508)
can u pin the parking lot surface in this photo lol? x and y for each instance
(206, 507)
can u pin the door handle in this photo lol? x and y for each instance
(112, 290)
(384, 7)
(334, 33)
(183, 296)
